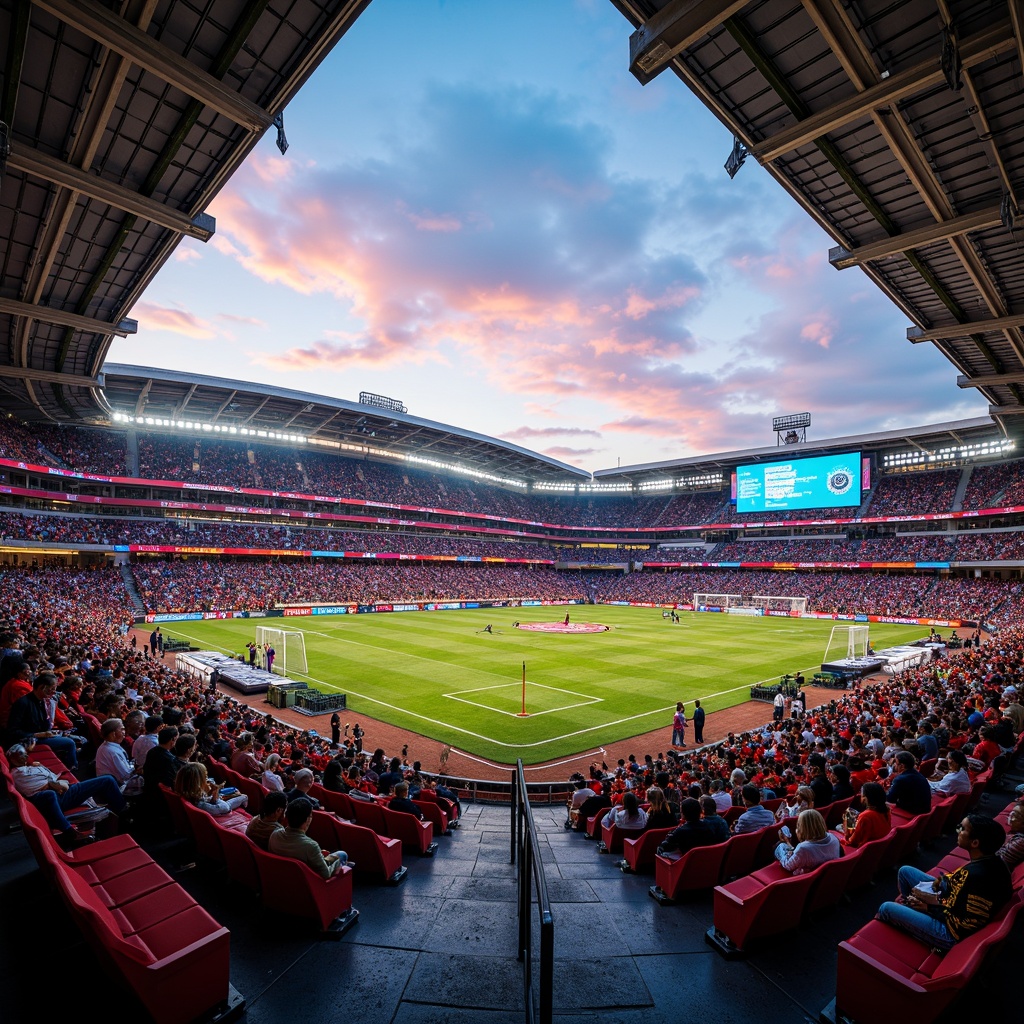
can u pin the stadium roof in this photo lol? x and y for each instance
(897, 126)
(122, 124)
(145, 393)
(961, 434)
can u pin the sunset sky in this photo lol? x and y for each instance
(483, 214)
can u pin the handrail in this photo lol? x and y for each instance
(525, 854)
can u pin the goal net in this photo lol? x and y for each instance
(716, 600)
(777, 603)
(847, 642)
(289, 646)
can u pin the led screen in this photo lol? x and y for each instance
(826, 482)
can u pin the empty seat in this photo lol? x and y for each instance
(697, 869)
(638, 852)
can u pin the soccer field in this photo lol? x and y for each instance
(437, 674)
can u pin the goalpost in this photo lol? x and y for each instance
(856, 638)
(776, 602)
(289, 646)
(717, 600)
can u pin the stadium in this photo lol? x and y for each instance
(289, 580)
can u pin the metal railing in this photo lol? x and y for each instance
(531, 883)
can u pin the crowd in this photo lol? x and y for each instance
(905, 494)
(63, 648)
(200, 585)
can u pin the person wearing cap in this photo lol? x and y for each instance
(54, 796)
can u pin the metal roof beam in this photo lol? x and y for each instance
(1017, 20)
(40, 165)
(841, 257)
(989, 380)
(915, 335)
(676, 27)
(112, 31)
(1006, 410)
(255, 412)
(47, 315)
(51, 377)
(974, 50)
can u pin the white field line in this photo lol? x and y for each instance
(489, 739)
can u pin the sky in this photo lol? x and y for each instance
(484, 215)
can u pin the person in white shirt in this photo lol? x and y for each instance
(148, 740)
(111, 758)
(956, 779)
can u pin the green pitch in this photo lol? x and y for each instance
(437, 674)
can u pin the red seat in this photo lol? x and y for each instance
(638, 853)
(179, 819)
(205, 831)
(435, 815)
(697, 869)
(836, 810)
(747, 910)
(336, 803)
(253, 790)
(732, 813)
(178, 963)
(373, 855)
(739, 857)
(770, 839)
(415, 834)
(369, 815)
(833, 880)
(869, 861)
(903, 844)
(885, 975)
(612, 836)
(239, 857)
(937, 818)
(291, 887)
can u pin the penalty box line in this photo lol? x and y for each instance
(480, 736)
(515, 714)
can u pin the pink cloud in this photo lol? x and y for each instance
(187, 254)
(177, 321)
(248, 321)
(523, 433)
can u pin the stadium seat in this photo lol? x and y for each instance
(869, 862)
(884, 975)
(833, 880)
(206, 833)
(435, 815)
(638, 853)
(369, 815)
(291, 887)
(337, 803)
(239, 857)
(178, 965)
(739, 857)
(747, 910)
(414, 834)
(374, 856)
(697, 869)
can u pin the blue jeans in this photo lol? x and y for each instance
(52, 805)
(64, 747)
(924, 925)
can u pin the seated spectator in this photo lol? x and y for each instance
(909, 791)
(292, 841)
(271, 779)
(269, 820)
(942, 911)
(56, 797)
(401, 802)
(873, 821)
(304, 779)
(111, 758)
(721, 796)
(1011, 853)
(796, 803)
(243, 760)
(192, 784)
(579, 796)
(629, 815)
(955, 779)
(842, 789)
(755, 816)
(147, 740)
(659, 814)
(814, 845)
(694, 831)
(718, 825)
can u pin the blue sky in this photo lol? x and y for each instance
(484, 215)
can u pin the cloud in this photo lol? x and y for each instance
(187, 254)
(177, 321)
(571, 455)
(523, 433)
(247, 321)
(499, 241)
